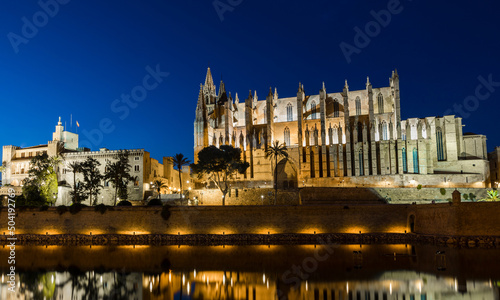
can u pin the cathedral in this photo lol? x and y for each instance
(340, 139)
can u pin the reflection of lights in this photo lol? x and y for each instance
(268, 284)
(169, 276)
(188, 289)
(231, 281)
(183, 279)
(420, 287)
(307, 286)
(224, 279)
(347, 287)
(390, 288)
(52, 278)
(150, 287)
(263, 278)
(456, 285)
(101, 279)
(194, 273)
(3, 278)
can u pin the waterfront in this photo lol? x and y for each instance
(399, 271)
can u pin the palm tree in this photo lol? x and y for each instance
(179, 161)
(75, 167)
(274, 152)
(159, 184)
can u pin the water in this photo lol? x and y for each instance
(374, 272)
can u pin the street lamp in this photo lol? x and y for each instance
(262, 199)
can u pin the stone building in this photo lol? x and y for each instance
(145, 169)
(346, 138)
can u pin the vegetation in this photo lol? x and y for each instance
(275, 152)
(492, 196)
(159, 184)
(472, 197)
(76, 208)
(442, 191)
(118, 173)
(40, 187)
(220, 165)
(61, 209)
(155, 202)
(179, 161)
(419, 187)
(465, 196)
(92, 178)
(102, 208)
(77, 194)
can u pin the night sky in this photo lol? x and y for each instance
(83, 55)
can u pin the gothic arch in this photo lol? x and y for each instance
(287, 174)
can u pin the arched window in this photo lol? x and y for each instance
(289, 112)
(287, 136)
(360, 132)
(405, 166)
(439, 144)
(380, 100)
(403, 135)
(415, 160)
(358, 106)
(313, 110)
(335, 135)
(384, 131)
(336, 108)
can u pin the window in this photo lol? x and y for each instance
(384, 131)
(23, 154)
(380, 100)
(336, 108)
(136, 168)
(136, 158)
(136, 182)
(405, 167)
(236, 193)
(289, 112)
(106, 183)
(415, 160)
(335, 135)
(439, 144)
(358, 106)
(287, 136)
(361, 171)
(313, 110)
(403, 135)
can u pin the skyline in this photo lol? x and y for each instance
(86, 56)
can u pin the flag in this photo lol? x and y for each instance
(77, 124)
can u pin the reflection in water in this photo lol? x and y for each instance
(372, 272)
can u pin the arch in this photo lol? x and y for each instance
(313, 110)
(358, 106)
(287, 174)
(329, 105)
(336, 108)
(415, 160)
(360, 132)
(289, 112)
(385, 136)
(287, 136)
(380, 101)
(439, 144)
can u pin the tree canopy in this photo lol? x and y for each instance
(40, 187)
(220, 165)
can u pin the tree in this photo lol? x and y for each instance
(159, 184)
(77, 194)
(220, 165)
(40, 187)
(180, 161)
(118, 173)
(92, 178)
(274, 152)
(492, 196)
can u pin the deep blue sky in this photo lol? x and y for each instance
(91, 52)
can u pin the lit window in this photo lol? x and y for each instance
(380, 104)
(287, 136)
(358, 106)
(289, 112)
(313, 110)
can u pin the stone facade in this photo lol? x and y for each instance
(347, 138)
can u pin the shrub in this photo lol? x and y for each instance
(442, 191)
(76, 208)
(155, 202)
(101, 208)
(124, 203)
(419, 187)
(61, 209)
(165, 212)
(44, 208)
(466, 196)
(472, 197)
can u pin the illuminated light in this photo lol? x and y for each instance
(194, 273)
(150, 287)
(268, 284)
(420, 287)
(187, 181)
(183, 279)
(264, 278)
(347, 287)
(456, 285)
(3, 278)
(52, 278)
(204, 277)
(307, 286)
(188, 289)
(169, 276)
(224, 279)
(390, 288)
(101, 279)
(231, 281)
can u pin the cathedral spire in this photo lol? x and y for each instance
(270, 92)
(368, 81)
(208, 79)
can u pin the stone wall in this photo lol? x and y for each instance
(437, 219)
(246, 196)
